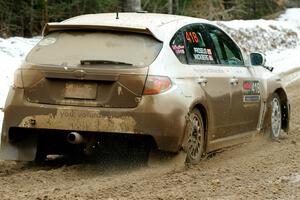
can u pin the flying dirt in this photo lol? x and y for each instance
(259, 169)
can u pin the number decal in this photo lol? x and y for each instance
(195, 37)
(187, 36)
(191, 37)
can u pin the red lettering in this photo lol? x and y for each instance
(191, 37)
(195, 37)
(187, 36)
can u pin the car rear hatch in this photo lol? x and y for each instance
(89, 68)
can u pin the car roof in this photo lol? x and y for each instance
(155, 24)
(127, 19)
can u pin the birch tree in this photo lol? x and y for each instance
(170, 6)
(132, 5)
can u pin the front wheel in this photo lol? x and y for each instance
(195, 140)
(275, 118)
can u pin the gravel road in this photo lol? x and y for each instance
(259, 169)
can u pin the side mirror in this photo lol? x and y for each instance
(257, 59)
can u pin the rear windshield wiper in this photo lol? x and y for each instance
(103, 62)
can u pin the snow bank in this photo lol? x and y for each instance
(262, 35)
(279, 39)
(292, 17)
(12, 53)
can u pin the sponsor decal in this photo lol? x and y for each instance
(203, 54)
(200, 50)
(205, 71)
(247, 85)
(178, 49)
(209, 51)
(251, 98)
(251, 91)
(201, 57)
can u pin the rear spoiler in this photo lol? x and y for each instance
(52, 27)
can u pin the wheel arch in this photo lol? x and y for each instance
(200, 106)
(204, 115)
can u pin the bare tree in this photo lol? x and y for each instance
(132, 5)
(170, 7)
(31, 21)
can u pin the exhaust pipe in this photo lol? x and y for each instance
(75, 138)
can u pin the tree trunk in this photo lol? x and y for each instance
(31, 18)
(170, 7)
(46, 17)
(132, 5)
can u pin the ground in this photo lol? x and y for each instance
(259, 169)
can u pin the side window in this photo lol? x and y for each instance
(198, 50)
(227, 50)
(178, 47)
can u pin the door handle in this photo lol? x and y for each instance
(234, 81)
(202, 81)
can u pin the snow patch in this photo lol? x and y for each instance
(262, 35)
(291, 16)
(283, 60)
(12, 53)
(295, 178)
(279, 39)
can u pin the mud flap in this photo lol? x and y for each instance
(166, 159)
(24, 150)
(287, 117)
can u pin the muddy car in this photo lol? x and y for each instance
(173, 83)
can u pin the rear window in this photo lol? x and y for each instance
(69, 48)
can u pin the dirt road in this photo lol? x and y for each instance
(260, 169)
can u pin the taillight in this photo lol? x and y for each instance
(157, 85)
(18, 82)
(24, 78)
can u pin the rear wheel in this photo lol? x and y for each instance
(275, 117)
(195, 141)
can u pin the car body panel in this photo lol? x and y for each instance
(244, 100)
(234, 99)
(84, 86)
(147, 116)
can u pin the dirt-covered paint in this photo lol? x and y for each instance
(80, 121)
(83, 85)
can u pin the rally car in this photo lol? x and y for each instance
(174, 83)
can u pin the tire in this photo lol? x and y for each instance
(275, 117)
(195, 141)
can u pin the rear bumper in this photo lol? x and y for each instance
(160, 116)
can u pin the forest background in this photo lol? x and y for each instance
(27, 17)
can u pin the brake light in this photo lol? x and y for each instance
(18, 82)
(157, 85)
(24, 78)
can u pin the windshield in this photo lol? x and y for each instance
(69, 48)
